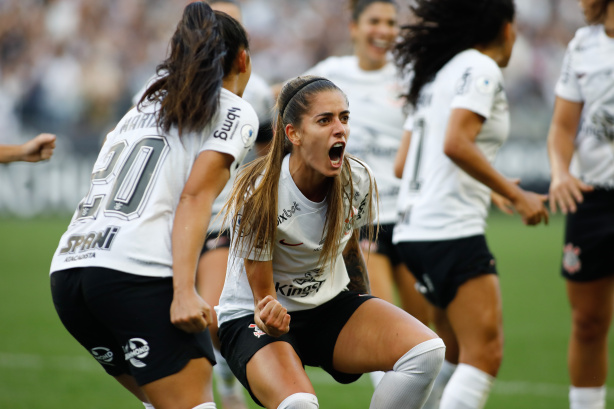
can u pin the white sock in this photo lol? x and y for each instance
(376, 377)
(468, 388)
(148, 405)
(207, 405)
(587, 398)
(410, 382)
(447, 369)
(300, 401)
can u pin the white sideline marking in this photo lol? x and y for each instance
(318, 377)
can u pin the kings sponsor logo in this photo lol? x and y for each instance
(96, 240)
(301, 287)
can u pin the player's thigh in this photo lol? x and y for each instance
(380, 276)
(476, 316)
(185, 389)
(276, 372)
(412, 300)
(376, 336)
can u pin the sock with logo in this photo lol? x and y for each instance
(587, 398)
(447, 369)
(410, 382)
(468, 388)
(376, 377)
(300, 401)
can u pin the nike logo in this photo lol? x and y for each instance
(283, 241)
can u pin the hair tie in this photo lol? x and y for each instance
(296, 91)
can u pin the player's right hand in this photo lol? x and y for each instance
(190, 313)
(531, 208)
(566, 192)
(271, 317)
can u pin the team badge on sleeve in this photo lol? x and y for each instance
(248, 134)
(485, 85)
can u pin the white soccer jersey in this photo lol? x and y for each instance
(376, 121)
(259, 95)
(588, 77)
(125, 220)
(300, 281)
(438, 200)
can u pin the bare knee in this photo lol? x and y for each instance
(589, 327)
(486, 355)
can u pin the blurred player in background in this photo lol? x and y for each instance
(374, 88)
(36, 149)
(123, 276)
(214, 257)
(296, 290)
(460, 119)
(583, 123)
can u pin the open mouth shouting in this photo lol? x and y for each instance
(335, 154)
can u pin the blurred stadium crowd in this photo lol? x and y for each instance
(70, 67)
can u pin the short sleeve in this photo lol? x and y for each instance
(408, 125)
(234, 133)
(477, 86)
(364, 193)
(567, 86)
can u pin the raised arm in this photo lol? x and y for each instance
(36, 149)
(269, 315)
(565, 190)
(356, 266)
(460, 147)
(208, 177)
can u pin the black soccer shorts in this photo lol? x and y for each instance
(123, 320)
(442, 266)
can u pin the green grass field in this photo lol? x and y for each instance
(41, 366)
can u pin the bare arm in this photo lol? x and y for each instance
(399, 160)
(460, 147)
(356, 266)
(208, 177)
(36, 149)
(565, 190)
(269, 315)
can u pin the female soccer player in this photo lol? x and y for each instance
(460, 118)
(585, 95)
(296, 214)
(373, 86)
(123, 275)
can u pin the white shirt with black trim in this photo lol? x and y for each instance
(376, 121)
(438, 200)
(301, 282)
(587, 77)
(126, 219)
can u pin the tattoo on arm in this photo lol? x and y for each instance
(356, 266)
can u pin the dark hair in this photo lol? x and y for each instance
(234, 2)
(202, 52)
(253, 200)
(443, 29)
(357, 7)
(603, 11)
